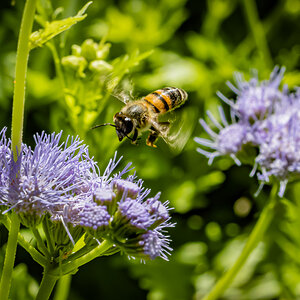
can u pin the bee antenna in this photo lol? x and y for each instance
(113, 125)
(105, 124)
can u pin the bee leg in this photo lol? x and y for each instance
(164, 126)
(135, 136)
(152, 138)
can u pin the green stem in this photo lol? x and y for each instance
(47, 285)
(63, 287)
(41, 245)
(253, 240)
(82, 251)
(16, 135)
(73, 265)
(257, 31)
(10, 255)
(36, 256)
(57, 64)
(20, 76)
(49, 239)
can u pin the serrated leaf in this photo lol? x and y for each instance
(40, 37)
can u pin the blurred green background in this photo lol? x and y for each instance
(146, 45)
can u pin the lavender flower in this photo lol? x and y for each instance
(229, 140)
(256, 100)
(5, 155)
(48, 176)
(264, 120)
(59, 183)
(279, 153)
(153, 244)
(94, 216)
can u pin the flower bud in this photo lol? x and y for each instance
(95, 219)
(89, 49)
(105, 197)
(76, 63)
(121, 187)
(103, 51)
(76, 50)
(100, 66)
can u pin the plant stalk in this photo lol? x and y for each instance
(20, 76)
(16, 135)
(47, 285)
(63, 288)
(258, 31)
(71, 266)
(255, 237)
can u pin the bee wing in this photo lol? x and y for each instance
(122, 91)
(181, 126)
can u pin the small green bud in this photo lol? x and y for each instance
(103, 51)
(89, 49)
(100, 66)
(76, 63)
(76, 50)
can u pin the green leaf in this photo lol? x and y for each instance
(40, 37)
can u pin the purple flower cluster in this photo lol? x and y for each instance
(58, 182)
(264, 129)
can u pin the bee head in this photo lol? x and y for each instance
(124, 125)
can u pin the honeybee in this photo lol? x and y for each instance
(142, 115)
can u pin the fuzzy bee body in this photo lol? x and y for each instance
(142, 115)
(166, 99)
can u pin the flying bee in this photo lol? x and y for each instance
(142, 115)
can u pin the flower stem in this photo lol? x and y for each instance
(41, 245)
(254, 238)
(257, 31)
(63, 287)
(73, 265)
(36, 256)
(16, 136)
(9, 257)
(49, 239)
(20, 76)
(47, 285)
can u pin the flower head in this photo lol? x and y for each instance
(266, 121)
(279, 151)
(256, 100)
(59, 182)
(48, 176)
(94, 216)
(5, 155)
(229, 140)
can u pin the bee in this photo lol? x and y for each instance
(143, 115)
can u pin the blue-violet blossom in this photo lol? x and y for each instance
(58, 182)
(265, 119)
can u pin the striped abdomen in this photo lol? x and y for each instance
(166, 99)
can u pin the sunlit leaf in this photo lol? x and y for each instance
(40, 37)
